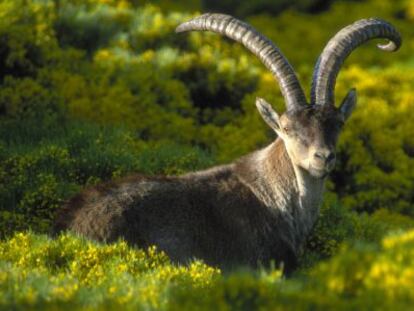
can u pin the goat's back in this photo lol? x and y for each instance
(212, 216)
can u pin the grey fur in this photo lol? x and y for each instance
(228, 216)
(255, 210)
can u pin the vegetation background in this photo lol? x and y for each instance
(97, 89)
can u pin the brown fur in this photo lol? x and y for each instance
(215, 215)
(253, 211)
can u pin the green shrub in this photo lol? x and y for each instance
(94, 90)
(376, 164)
(39, 169)
(89, 28)
(72, 273)
(27, 39)
(338, 224)
(246, 8)
(26, 98)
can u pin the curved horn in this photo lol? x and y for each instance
(340, 46)
(259, 45)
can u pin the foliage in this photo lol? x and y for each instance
(71, 273)
(377, 164)
(41, 166)
(338, 224)
(97, 89)
(361, 277)
(246, 8)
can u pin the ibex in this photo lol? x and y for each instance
(259, 208)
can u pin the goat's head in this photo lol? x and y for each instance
(309, 131)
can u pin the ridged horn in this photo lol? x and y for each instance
(338, 49)
(259, 45)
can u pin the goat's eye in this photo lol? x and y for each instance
(286, 129)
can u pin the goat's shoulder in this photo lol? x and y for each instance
(215, 173)
(116, 193)
(129, 186)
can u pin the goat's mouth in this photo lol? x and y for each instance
(320, 172)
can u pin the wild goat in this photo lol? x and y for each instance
(259, 208)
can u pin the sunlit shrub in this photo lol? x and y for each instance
(186, 101)
(79, 272)
(70, 272)
(371, 276)
(376, 160)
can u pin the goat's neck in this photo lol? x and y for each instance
(284, 187)
(288, 178)
(310, 188)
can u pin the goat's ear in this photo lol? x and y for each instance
(348, 104)
(268, 114)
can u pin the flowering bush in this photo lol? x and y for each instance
(70, 272)
(55, 163)
(97, 89)
(52, 273)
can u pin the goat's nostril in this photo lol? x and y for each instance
(330, 157)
